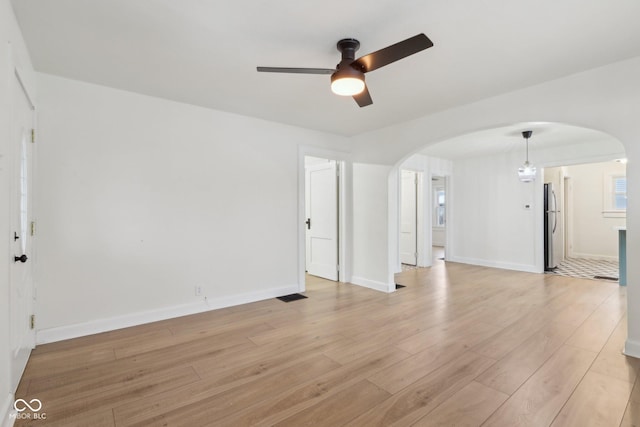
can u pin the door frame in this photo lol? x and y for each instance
(425, 216)
(568, 214)
(343, 164)
(331, 166)
(447, 203)
(419, 220)
(17, 77)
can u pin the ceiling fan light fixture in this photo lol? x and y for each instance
(347, 86)
(347, 82)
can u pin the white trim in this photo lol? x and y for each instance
(103, 325)
(614, 214)
(18, 73)
(5, 411)
(631, 348)
(393, 227)
(371, 284)
(496, 264)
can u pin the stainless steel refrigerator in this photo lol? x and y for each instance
(551, 229)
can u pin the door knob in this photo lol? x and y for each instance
(21, 258)
(308, 222)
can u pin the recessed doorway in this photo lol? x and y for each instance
(322, 206)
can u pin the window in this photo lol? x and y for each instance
(615, 196)
(439, 217)
(619, 193)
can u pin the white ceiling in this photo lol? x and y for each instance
(205, 52)
(505, 139)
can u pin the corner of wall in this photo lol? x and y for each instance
(527, 268)
(371, 284)
(632, 348)
(5, 412)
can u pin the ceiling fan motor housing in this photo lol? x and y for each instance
(348, 48)
(346, 68)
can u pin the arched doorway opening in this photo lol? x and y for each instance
(493, 219)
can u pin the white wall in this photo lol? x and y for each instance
(491, 225)
(370, 226)
(147, 198)
(13, 54)
(593, 233)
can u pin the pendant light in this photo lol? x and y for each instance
(527, 172)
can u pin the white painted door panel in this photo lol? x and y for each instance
(322, 214)
(21, 285)
(408, 218)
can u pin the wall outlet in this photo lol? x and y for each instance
(198, 291)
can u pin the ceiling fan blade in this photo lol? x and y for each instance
(363, 98)
(296, 70)
(393, 53)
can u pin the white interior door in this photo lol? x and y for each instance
(322, 220)
(21, 282)
(409, 218)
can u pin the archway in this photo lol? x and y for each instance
(605, 99)
(494, 219)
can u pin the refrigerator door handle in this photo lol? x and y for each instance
(555, 212)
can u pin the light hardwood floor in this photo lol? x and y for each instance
(460, 345)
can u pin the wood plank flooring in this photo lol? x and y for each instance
(459, 345)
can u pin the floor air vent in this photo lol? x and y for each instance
(615, 279)
(292, 297)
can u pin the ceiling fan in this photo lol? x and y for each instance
(347, 78)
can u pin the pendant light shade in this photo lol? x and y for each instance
(527, 172)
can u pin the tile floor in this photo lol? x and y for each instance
(587, 269)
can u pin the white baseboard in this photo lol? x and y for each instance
(632, 348)
(6, 408)
(103, 325)
(496, 264)
(371, 284)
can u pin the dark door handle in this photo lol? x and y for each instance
(308, 222)
(21, 258)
